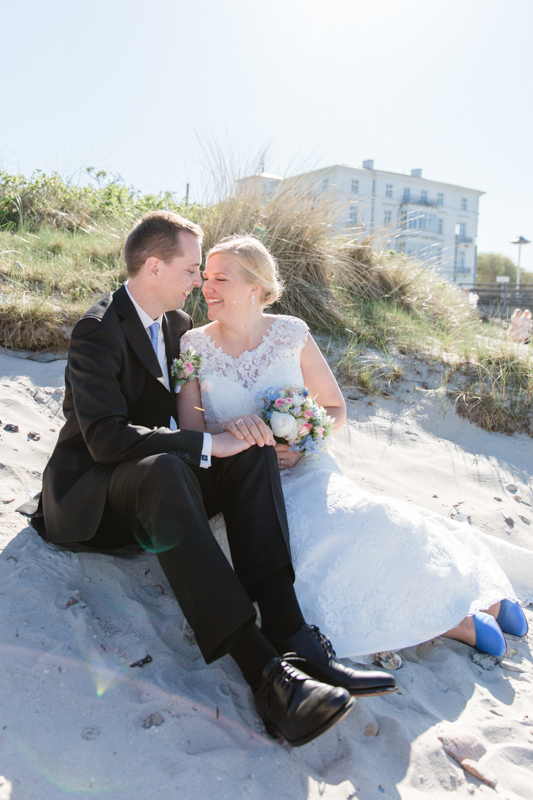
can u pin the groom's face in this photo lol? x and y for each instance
(181, 274)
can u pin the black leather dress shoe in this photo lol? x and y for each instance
(311, 652)
(295, 707)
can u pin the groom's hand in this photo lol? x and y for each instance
(225, 444)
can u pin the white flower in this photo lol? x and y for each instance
(297, 399)
(283, 425)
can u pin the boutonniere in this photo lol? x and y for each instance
(185, 368)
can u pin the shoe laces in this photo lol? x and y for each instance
(324, 641)
(286, 673)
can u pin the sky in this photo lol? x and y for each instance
(160, 92)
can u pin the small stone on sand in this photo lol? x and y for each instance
(480, 773)
(371, 729)
(153, 721)
(484, 661)
(388, 660)
(461, 745)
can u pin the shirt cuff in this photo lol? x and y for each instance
(205, 458)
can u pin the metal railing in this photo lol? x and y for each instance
(500, 299)
(419, 200)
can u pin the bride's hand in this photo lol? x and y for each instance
(287, 458)
(252, 428)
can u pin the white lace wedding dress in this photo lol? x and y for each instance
(373, 573)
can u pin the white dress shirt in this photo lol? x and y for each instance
(146, 319)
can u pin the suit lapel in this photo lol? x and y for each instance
(175, 323)
(136, 335)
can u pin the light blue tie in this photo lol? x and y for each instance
(154, 336)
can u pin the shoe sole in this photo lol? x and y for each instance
(318, 674)
(370, 693)
(275, 732)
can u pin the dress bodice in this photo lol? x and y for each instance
(229, 385)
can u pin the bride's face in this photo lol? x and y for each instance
(225, 289)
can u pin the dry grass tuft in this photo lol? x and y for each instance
(296, 226)
(496, 391)
(31, 323)
(489, 413)
(406, 284)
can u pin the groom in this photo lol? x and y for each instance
(122, 472)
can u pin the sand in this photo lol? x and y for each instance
(77, 719)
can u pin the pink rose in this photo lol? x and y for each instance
(308, 413)
(319, 431)
(279, 403)
(304, 428)
(188, 367)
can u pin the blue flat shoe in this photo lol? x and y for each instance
(489, 638)
(511, 618)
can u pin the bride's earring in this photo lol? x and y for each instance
(253, 299)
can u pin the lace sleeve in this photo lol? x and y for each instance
(189, 339)
(289, 334)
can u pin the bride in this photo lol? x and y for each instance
(373, 573)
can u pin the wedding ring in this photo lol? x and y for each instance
(281, 461)
(239, 420)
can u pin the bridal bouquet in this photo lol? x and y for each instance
(185, 368)
(295, 418)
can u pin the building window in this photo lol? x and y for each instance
(462, 230)
(406, 195)
(440, 199)
(424, 197)
(355, 187)
(388, 190)
(463, 203)
(387, 218)
(422, 222)
(461, 261)
(432, 223)
(352, 219)
(412, 219)
(440, 226)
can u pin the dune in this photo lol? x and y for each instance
(84, 711)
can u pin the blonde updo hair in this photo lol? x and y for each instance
(256, 263)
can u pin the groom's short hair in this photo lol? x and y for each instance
(157, 234)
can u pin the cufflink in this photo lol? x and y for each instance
(204, 457)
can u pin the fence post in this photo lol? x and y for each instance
(505, 312)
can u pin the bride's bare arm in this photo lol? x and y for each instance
(190, 412)
(320, 381)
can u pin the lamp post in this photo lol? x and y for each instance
(520, 240)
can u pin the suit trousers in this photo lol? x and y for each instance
(164, 504)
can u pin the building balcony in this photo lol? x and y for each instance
(419, 233)
(464, 239)
(419, 201)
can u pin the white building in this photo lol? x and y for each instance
(431, 221)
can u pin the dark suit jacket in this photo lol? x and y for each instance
(117, 407)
